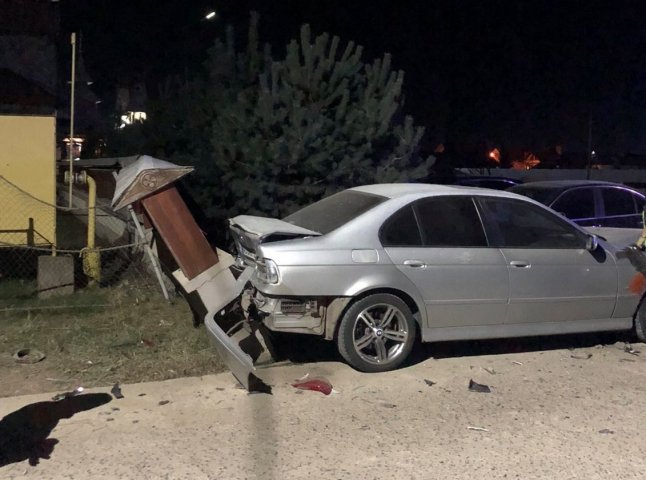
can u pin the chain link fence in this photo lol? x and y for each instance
(55, 257)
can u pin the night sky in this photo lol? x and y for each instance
(519, 74)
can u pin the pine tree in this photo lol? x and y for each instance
(292, 131)
(268, 136)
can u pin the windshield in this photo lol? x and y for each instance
(544, 195)
(336, 210)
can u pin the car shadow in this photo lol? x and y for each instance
(24, 433)
(500, 346)
(300, 349)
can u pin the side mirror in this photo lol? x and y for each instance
(592, 243)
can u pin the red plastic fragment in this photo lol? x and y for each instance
(316, 384)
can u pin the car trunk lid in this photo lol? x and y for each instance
(250, 231)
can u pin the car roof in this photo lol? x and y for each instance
(397, 190)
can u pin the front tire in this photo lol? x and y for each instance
(377, 333)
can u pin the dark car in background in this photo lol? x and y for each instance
(482, 181)
(589, 203)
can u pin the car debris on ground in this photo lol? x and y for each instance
(629, 349)
(60, 396)
(478, 387)
(116, 391)
(319, 384)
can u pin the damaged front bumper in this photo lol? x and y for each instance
(218, 288)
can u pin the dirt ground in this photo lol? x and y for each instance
(558, 408)
(127, 342)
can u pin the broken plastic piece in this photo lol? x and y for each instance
(489, 370)
(428, 382)
(316, 384)
(478, 387)
(116, 391)
(606, 430)
(73, 393)
(516, 363)
(629, 349)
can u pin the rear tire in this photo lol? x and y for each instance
(377, 333)
(640, 321)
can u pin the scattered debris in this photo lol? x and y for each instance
(135, 421)
(582, 357)
(109, 419)
(478, 429)
(28, 355)
(516, 363)
(388, 405)
(317, 384)
(116, 391)
(116, 409)
(73, 393)
(148, 343)
(629, 349)
(163, 402)
(627, 360)
(220, 389)
(607, 430)
(141, 395)
(489, 370)
(428, 382)
(478, 387)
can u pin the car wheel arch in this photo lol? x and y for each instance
(331, 331)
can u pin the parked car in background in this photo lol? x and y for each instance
(589, 203)
(371, 267)
(482, 181)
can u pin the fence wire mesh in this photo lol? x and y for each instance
(52, 258)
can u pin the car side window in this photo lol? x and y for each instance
(401, 230)
(618, 202)
(450, 221)
(518, 224)
(577, 203)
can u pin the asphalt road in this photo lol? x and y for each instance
(551, 414)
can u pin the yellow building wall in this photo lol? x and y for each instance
(27, 180)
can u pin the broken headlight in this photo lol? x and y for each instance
(267, 271)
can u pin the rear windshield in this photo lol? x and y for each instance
(544, 195)
(333, 211)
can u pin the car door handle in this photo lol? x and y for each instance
(414, 263)
(519, 264)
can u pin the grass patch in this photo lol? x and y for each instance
(134, 340)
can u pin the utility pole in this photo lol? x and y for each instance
(71, 144)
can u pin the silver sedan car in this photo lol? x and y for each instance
(377, 267)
